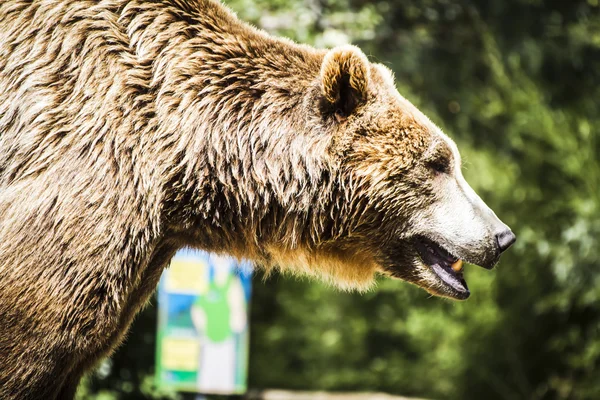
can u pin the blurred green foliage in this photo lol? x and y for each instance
(516, 83)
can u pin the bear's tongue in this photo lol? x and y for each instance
(447, 267)
(451, 277)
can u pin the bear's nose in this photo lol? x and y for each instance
(505, 239)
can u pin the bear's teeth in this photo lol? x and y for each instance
(457, 266)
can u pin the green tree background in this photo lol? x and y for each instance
(516, 84)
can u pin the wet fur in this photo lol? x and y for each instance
(129, 129)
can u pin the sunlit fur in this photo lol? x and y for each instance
(130, 129)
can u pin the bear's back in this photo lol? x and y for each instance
(68, 73)
(75, 73)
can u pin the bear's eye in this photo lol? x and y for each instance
(440, 165)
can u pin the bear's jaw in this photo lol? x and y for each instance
(446, 267)
(347, 270)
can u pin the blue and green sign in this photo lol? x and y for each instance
(203, 337)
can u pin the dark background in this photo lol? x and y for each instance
(516, 84)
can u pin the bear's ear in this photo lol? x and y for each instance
(344, 80)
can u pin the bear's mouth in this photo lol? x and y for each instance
(446, 267)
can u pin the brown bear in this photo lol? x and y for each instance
(132, 128)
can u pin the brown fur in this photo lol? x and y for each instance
(130, 129)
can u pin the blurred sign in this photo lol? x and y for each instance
(202, 343)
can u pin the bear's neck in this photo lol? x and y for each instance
(235, 113)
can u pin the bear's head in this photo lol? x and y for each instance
(400, 206)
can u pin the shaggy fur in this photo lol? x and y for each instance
(130, 129)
